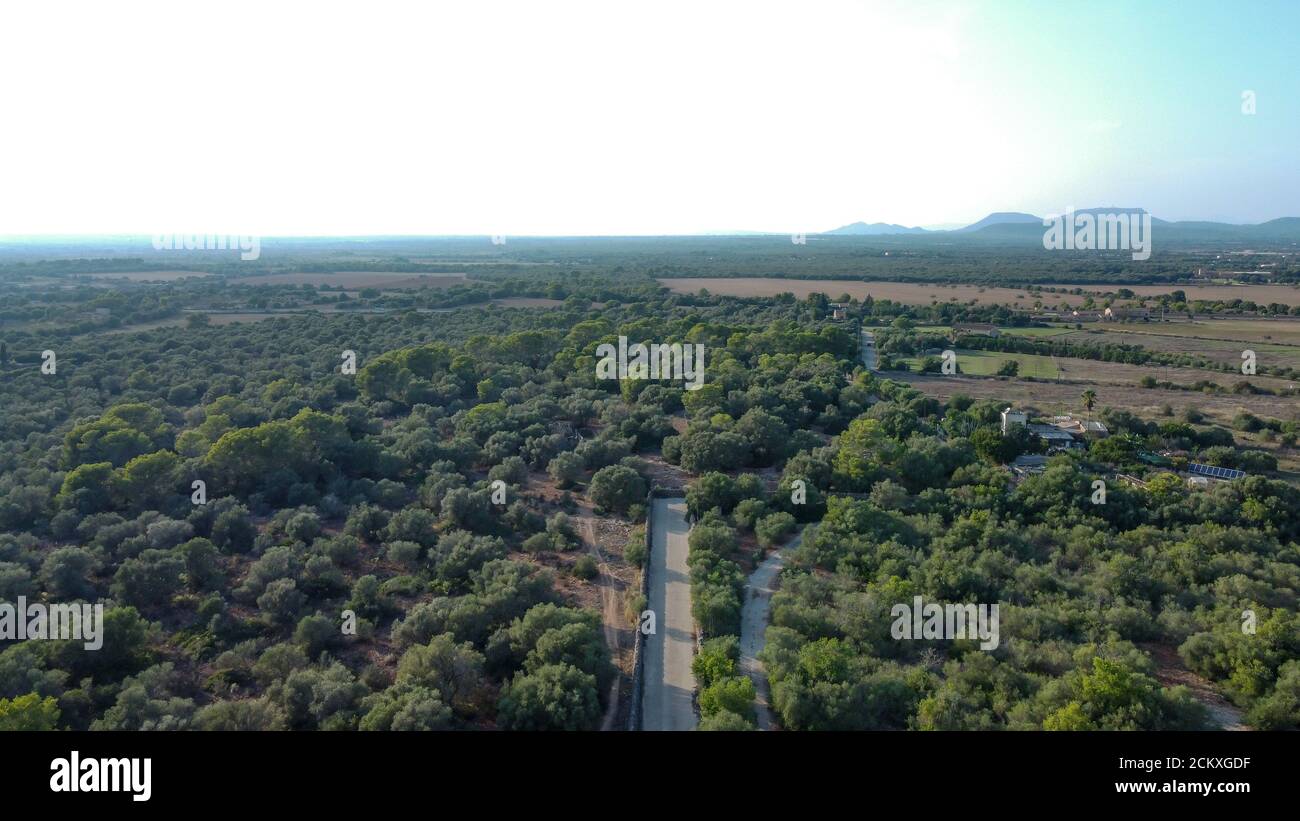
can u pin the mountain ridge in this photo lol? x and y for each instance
(1022, 225)
(874, 229)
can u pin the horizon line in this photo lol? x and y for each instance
(93, 235)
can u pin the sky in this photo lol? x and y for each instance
(664, 117)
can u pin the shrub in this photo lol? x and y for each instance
(747, 513)
(734, 694)
(404, 553)
(635, 553)
(585, 567)
(716, 660)
(617, 488)
(773, 528)
(566, 468)
(725, 721)
(554, 697)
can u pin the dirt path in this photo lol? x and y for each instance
(1170, 672)
(753, 626)
(668, 700)
(611, 616)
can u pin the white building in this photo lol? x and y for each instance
(1012, 417)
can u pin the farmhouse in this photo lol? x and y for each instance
(1012, 417)
(1064, 433)
(1055, 438)
(974, 329)
(1123, 314)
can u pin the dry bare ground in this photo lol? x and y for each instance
(604, 540)
(661, 473)
(1171, 672)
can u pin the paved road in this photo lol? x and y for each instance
(666, 703)
(869, 350)
(753, 626)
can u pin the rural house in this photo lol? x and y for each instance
(974, 329)
(1126, 314)
(1012, 417)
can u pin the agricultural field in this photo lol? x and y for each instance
(1036, 333)
(914, 293)
(1262, 294)
(383, 280)
(1035, 366)
(149, 276)
(1122, 374)
(1218, 350)
(986, 363)
(526, 302)
(1051, 397)
(1054, 382)
(910, 293)
(1220, 341)
(1281, 331)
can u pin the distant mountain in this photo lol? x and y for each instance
(1183, 233)
(1015, 228)
(862, 229)
(1281, 223)
(1283, 227)
(1003, 218)
(944, 226)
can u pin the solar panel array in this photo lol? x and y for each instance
(1216, 472)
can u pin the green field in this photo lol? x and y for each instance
(1277, 342)
(1246, 330)
(1034, 332)
(1037, 332)
(986, 363)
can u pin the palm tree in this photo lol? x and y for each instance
(1089, 398)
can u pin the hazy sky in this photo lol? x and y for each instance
(616, 117)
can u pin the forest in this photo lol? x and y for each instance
(281, 544)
